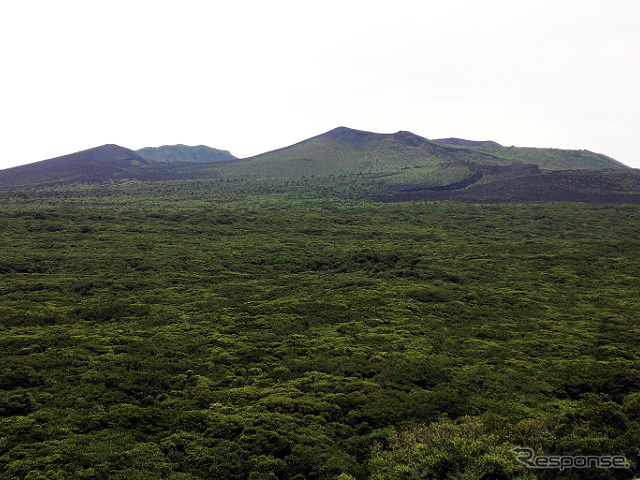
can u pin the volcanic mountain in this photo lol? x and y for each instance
(93, 165)
(113, 162)
(345, 151)
(400, 162)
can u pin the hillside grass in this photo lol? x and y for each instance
(552, 158)
(184, 154)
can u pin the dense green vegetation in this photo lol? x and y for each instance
(161, 331)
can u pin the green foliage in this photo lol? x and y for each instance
(467, 450)
(173, 331)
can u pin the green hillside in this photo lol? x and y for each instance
(344, 151)
(414, 159)
(548, 158)
(184, 153)
(342, 161)
(92, 165)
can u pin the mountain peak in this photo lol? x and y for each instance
(359, 137)
(341, 151)
(184, 154)
(409, 139)
(103, 153)
(352, 136)
(340, 130)
(91, 165)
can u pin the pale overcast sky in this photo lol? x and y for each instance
(251, 76)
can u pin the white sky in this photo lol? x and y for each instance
(251, 76)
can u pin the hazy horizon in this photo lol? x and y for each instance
(278, 148)
(251, 77)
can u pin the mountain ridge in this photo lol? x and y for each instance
(185, 154)
(348, 151)
(93, 164)
(402, 161)
(461, 142)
